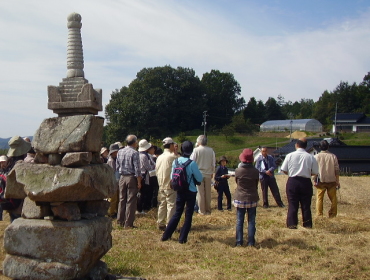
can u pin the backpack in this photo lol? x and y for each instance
(7, 204)
(179, 180)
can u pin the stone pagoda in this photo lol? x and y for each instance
(63, 231)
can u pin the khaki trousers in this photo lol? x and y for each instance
(331, 189)
(166, 208)
(204, 195)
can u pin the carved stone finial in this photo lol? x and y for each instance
(75, 58)
(74, 95)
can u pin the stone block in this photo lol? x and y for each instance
(77, 159)
(17, 267)
(67, 211)
(31, 210)
(45, 183)
(78, 245)
(82, 133)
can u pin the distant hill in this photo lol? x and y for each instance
(4, 142)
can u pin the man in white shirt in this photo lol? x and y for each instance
(300, 166)
(205, 158)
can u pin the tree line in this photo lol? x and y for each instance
(165, 101)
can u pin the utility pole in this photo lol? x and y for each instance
(204, 123)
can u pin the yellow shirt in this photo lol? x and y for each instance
(163, 168)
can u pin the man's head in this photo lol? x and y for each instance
(202, 140)
(301, 143)
(168, 143)
(131, 140)
(264, 152)
(113, 150)
(3, 161)
(324, 145)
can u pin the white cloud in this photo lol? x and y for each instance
(122, 37)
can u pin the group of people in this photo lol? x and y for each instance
(143, 173)
(300, 166)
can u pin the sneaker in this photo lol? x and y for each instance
(265, 206)
(282, 205)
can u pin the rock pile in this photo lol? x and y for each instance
(63, 232)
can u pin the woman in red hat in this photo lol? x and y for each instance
(246, 197)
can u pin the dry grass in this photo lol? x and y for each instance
(333, 249)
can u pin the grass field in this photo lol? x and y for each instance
(334, 249)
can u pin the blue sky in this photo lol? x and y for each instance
(294, 48)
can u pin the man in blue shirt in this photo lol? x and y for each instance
(266, 167)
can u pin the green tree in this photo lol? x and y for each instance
(251, 111)
(161, 101)
(273, 110)
(222, 97)
(261, 113)
(363, 94)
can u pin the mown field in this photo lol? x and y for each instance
(334, 249)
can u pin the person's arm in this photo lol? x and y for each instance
(258, 165)
(217, 174)
(284, 166)
(272, 164)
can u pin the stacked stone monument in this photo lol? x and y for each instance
(64, 231)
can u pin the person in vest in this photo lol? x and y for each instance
(187, 197)
(246, 197)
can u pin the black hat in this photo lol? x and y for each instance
(187, 148)
(222, 158)
(113, 148)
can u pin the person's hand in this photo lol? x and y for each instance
(338, 186)
(268, 172)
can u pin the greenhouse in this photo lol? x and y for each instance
(310, 125)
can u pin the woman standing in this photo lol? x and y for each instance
(246, 197)
(221, 176)
(187, 197)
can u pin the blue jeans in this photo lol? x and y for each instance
(240, 214)
(182, 198)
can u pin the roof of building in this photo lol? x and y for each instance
(351, 152)
(311, 142)
(350, 116)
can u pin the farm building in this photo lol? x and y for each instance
(311, 125)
